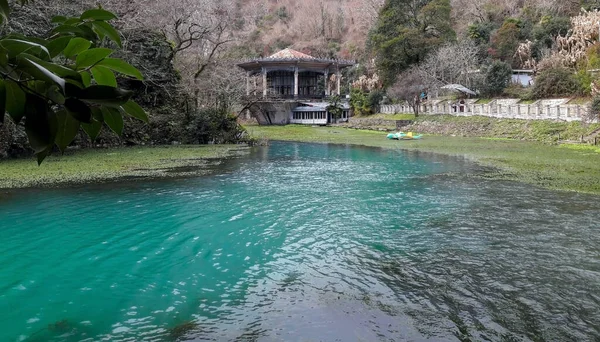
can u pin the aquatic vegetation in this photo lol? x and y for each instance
(182, 330)
(96, 165)
(60, 326)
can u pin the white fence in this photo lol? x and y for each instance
(507, 109)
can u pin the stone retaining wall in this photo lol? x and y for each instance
(501, 108)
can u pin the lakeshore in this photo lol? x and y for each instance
(569, 167)
(112, 164)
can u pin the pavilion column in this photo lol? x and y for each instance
(248, 83)
(338, 78)
(296, 81)
(264, 77)
(326, 74)
(255, 85)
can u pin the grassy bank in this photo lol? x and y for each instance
(564, 167)
(94, 165)
(481, 126)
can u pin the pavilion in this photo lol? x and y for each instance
(294, 86)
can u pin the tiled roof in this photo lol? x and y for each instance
(290, 54)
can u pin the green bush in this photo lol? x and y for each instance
(584, 82)
(365, 103)
(374, 99)
(214, 125)
(595, 107)
(555, 82)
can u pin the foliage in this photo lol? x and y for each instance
(334, 107)
(550, 27)
(505, 41)
(365, 102)
(497, 77)
(584, 82)
(359, 102)
(214, 125)
(589, 5)
(517, 91)
(595, 107)
(374, 99)
(406, 31)
(555, 82)
(572, 48)
(480, 32)
(66, 81)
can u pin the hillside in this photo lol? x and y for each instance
(340, 27)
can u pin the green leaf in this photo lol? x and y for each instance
(43, 154)
(39, 72)
(79, 110)
(56, 46)
(15, 101)
(57, 69)
(92, 56)
(105, 95)
(89, 32)
(86, 78)
(59, 19)
(3, 101)
(73, 88)
(119, 65)
(31, 39)
(40, 124)
(97, 114)
(135, 110)
(3, 57)
(104, 76)
(72, 21)
(108, 30)
(18, 46)
(76, 46)
(92, 129)
(114, 119)
(98, 14)
(55, 95)
(4, 10)
(69, 29)
(67, 129)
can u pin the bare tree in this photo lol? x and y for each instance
(408, 88)
(452, 63)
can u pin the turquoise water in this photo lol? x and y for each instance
(302, 242)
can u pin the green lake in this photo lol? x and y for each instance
(303, 242)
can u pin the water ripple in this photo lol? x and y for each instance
(303, 242)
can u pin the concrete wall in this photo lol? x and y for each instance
(273, 113)
(503, 108)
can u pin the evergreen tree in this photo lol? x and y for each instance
(406, 31)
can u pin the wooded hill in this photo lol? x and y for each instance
(186, 50)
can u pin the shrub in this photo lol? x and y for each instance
(584, 82)
(214, 125)
(555, 82)
(595, 108)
